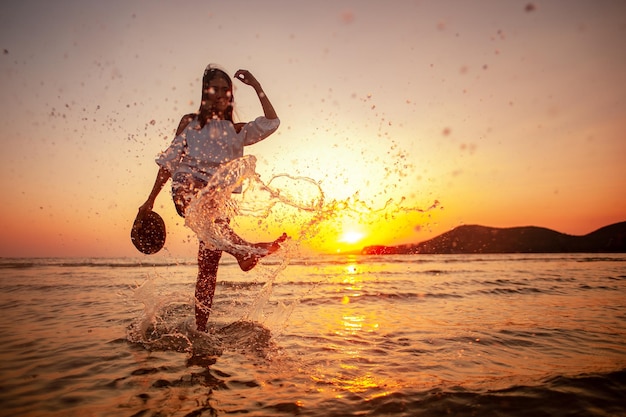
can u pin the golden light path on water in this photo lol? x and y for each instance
(351, 323)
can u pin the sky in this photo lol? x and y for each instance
(412, 117)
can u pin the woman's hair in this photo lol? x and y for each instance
(211, 72)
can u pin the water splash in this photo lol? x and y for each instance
(293, 201)
(213, 204)
(168, 324)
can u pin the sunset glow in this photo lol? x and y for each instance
(447, 113)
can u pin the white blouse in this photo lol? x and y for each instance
(200, 151)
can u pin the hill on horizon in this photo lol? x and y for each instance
(470, 239)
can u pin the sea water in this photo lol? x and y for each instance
(332, 335)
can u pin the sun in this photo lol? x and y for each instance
(351, 236)
(349, 241)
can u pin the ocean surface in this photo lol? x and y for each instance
(336, 335)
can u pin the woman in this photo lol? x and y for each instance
(203, 142)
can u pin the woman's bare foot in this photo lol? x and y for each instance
(249, 261)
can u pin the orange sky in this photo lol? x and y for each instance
(504, 114)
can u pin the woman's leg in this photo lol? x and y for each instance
(184, 187)
(248, 261)
(208, 261)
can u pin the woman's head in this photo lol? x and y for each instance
(217, 94)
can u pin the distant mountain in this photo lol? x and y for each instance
(531, 239)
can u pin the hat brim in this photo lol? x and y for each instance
(148, 233)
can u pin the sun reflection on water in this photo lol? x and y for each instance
(352, 371)
(351, 324)
(361, 329)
